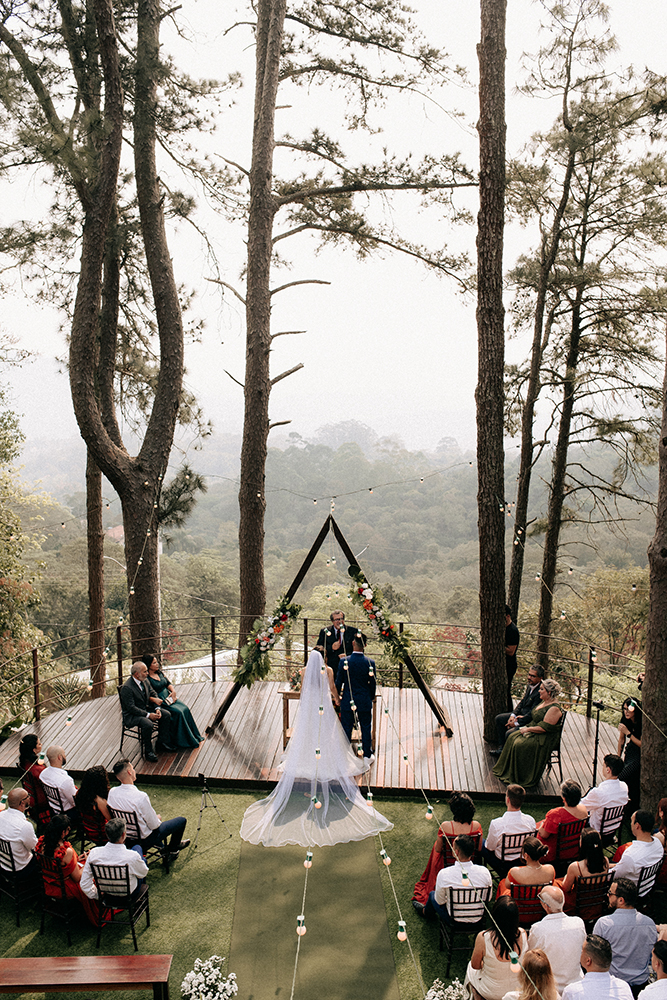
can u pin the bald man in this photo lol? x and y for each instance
(559, 936)
(56, 776)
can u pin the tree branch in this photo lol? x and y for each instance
(290, 284)
(291, 371)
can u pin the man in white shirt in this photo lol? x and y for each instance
(15, 828)
(463, 874)
(512, 821)
(598, 983)
(658, 989)
(560, 937)
(153, 831)
(56, 776)
(115, 853)
(610, 791)
(643, 851)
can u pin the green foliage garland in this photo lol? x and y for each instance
(265, 633)
(396, 643)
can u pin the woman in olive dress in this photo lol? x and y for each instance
(184, 732)
(527, 750)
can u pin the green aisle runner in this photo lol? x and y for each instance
(346, 951)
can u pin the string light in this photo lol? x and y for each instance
(537, 576)
(386, 860)
(321, 709)
(131, 591)
(301, 925)
(633, 588)
(369, 798)
(429, 813)
(316, 802)
(402, 932)
(317, 752)
(68, 720)
(514, 963)
(570, 571)
(563, 616)
(308, 863)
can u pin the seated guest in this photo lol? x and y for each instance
(183, 732)
(644, 850)
(463, 810)
(55, 846)
(507, 722)
(610, 791)
(29, 749)
(631, 935)
(91, 801)
(114, 852)
(16, 829)
(528, 748)
(56, 776)
(135, 695)
(536, 978)
(658, 989)
(489, 975)
(512, 821)
(153, 831)
(592, 862)
(561, 937)
(547, 829)
(598, 983)
(462, 874)
(532, 871)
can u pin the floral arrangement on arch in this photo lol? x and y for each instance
(206, 981)
(365, 596)
(265, 633)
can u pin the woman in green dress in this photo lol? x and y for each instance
(527, 750)
(184, 732)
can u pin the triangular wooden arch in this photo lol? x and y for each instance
(330, 525)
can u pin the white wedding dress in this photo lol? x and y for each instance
(316, 802)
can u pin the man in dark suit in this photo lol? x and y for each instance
(337, 639)
(507, 722)
(135, 701)
(355, 682)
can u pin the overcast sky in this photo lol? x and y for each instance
(387, 343)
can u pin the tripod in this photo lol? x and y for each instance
(206, 803)
(598, 705)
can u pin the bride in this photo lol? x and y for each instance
(316, 801)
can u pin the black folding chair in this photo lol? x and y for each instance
(133, 836)
(591, 900)
(610, 824)
(133, 732)
(510, 852)
(554, 756)
(526, 898)
(115, 897)
(466, 908)
(567, 844)
(19, 887)
(60, 906)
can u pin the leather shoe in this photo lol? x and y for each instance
(495, 751)
(151, 757)
(183, 845)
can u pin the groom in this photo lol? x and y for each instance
(355, 682)
(337, 639)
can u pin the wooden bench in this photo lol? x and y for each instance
(77, 974)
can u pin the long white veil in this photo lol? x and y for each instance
(316, 801)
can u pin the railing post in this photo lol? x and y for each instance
(212, 647)
(589, 695)
(305, 640)
(35, 682)
(400, 666)
(119, 652)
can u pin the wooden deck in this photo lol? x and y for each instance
(246, 749)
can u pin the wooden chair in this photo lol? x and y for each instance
(133, 732)
(447, 852)
(592, 892)
(467, 910)
(61, 906)
(554, 756)
(19, 888)
(567, 844)
(113, 888)
(56, 804)
(510, 852)
(133, 836)
(610, 824)
(647, 879)
(526, 898)
(39, 812)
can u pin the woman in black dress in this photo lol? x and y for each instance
(630, 738)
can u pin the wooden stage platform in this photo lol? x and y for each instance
(246, 749)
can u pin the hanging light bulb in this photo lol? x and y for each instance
(314, 501)
(301, 925)
(405, 757)
(316, 802)
(369, 798)
(308, 863)
(328, 562)
(537, 576)
(131, 590)
(570, 571)
(514, 963)
(68, 720)
(386, 860)
(402, 933)
(321, 709)
(563, 616)
(317, 752)
(421, 480)
(429, 813)
(140, 561)
(360, 751)
(333, 560)
(370, 489)
(353, 707)
(633, 588)
(386, 709)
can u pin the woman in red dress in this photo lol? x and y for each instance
(29, 749)
(592, 862)
(91, 801)
(532, 871)
(547, 829)
(463, 810)
(55, 846)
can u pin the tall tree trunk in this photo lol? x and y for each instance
(654, 690)
(95, 530)
(252, 498)
(557, 487)
(491, 356)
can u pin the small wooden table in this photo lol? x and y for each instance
(94, 972)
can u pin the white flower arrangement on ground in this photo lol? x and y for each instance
(455, 991)
(206, 981)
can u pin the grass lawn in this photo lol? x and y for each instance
(192, 908)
